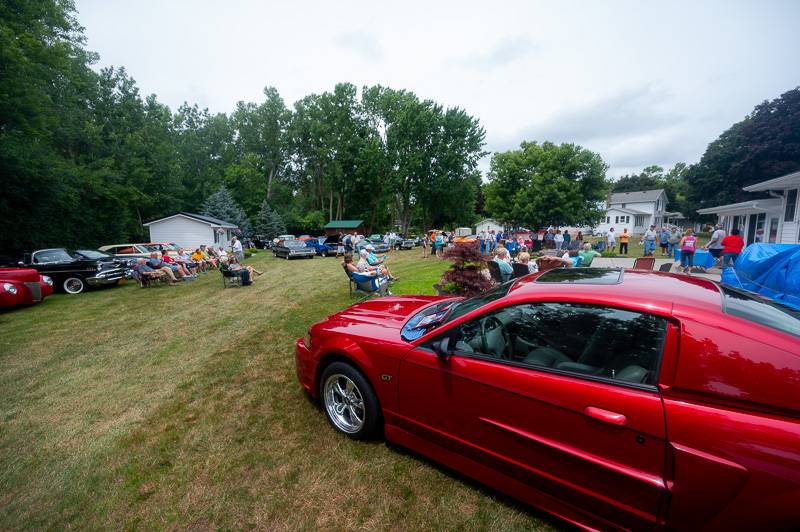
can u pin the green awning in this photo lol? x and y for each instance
(343, 224)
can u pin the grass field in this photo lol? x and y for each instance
(178, 407)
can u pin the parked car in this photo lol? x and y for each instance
(73, 273)
(378, 245)
(171, 248)
(323, 245)
(293, 249)
(405, 243)
(23, 286)
(283, 237)
(467, 240)
(133, 251)
(609, 398)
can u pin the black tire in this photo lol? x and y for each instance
(341, 372)
(323, 253)
(74, 285)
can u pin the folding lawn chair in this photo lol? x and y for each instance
(644, 263)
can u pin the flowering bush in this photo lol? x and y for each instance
(465, 277)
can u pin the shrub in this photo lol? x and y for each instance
(465, 277)
(608, 253)
(248, 253)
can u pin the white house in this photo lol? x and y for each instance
(775, 219)
(190, 230)
(489, 224)
(636, 211)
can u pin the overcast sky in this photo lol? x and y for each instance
(640, 82)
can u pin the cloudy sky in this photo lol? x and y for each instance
(640, 82)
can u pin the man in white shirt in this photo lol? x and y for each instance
(611, 240)
(236, 247)
(649, 238)
(714, 245)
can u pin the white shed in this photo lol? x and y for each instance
(489, 224)
(189, 230)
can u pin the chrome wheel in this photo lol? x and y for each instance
(344, 403)
(74, 285)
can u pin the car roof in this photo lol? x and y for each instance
(648, 290)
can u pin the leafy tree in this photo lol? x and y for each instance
(546, 184)
(221, 205)
(766, 144)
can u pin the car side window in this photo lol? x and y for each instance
(587, 340)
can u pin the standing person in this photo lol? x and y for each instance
(567, 238)
(548, 239)
(340, 245)
(688, 245)
(491, 240)
(611, 240)
(624, 239)
(650, 236)
(236, 247)
(663, 239)
(439, 244)
(579, 239)
(731, 248)
(672, 241)
(715, 246)
(347, 241)
(424, 240)
(558, 239)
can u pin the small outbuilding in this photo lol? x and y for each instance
(334, 227)
(190, 230)
(489, 224)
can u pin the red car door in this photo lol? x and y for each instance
(561, 397)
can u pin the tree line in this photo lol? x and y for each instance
(86, 159)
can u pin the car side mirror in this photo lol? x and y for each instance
(441, 346)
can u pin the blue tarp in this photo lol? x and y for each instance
(772, 270)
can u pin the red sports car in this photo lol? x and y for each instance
(23, 286)
(610, 398)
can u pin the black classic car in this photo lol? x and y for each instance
(293, 249)
(74, 272)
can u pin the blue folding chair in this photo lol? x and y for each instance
(368, 285)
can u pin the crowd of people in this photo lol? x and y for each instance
(184, 266)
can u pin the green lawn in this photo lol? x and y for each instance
(178, 407)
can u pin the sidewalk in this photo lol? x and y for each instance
(622, 262)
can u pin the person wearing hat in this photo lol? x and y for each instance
(375, 262)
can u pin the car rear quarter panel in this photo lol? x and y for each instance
(734, 426)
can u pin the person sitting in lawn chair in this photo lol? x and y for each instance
(364, 266)
(367, 280)
(145, 273)
(373, 260)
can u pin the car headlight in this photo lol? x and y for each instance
(307, 339)
(10, 288)
(47, 280)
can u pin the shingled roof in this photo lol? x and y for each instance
(636, 197)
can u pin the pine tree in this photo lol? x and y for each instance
(221, 205)
(268, 223)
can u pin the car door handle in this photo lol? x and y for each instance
(606, 416)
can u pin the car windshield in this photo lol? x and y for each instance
(52, 255)
(91, 254)
(763, 311)
(294, 244)
(468, 305)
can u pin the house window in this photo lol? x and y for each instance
(638, 220)
(791, 205)
(658, 205)
(608, 219)
(216, 236)
(623, 205)
(616, 219)
(627, 219)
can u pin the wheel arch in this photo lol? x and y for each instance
(332, 356)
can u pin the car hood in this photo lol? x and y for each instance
(383, 312)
